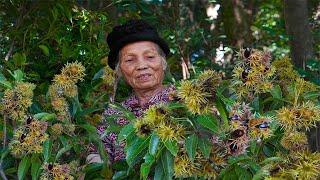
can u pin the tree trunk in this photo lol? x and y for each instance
(301, 41)
(237, 17)
(297, 27)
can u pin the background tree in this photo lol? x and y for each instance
(298, 29)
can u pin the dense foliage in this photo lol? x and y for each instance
(246, 117)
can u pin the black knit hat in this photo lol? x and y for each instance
(132, 31)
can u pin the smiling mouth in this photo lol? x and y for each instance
(144, 77)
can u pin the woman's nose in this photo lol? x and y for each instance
(141, 64)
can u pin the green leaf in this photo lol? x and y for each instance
(119, 175)
(208, 121)
(145, 167)
(45, 116)
(99, 74)
(269, 150)
(88, 111)
(154, 144)
(227, 101)
(144, 170)
(47, 146)
(222, 112)
(4, 82)
(127, 114)
(23, 167)
(126, 131)
(205, 147)
(4, 152)
(19, 59)
(271, 160)
(136, 150)
(242, 173)
(191, 146)
(76, 106)
(44, 49)
(17, 75)
(311, 95)
(158, 171)
(167, 164)
(276, 92)
(63, 140)
(172, 146)
(92, 167)
(93, 137)
(236, 159)
(63, 150)
(175, 105)
(35, 167)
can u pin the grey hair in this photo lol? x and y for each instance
(160, 52)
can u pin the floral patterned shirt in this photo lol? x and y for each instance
(114, 148)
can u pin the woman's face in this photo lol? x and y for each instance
(141, 65)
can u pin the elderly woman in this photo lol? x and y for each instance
(139, 55)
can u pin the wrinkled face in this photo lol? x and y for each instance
(141, 65)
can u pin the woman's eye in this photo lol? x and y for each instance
(128, 60)
(150, 57)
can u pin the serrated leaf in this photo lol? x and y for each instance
(154, 144)
(144, 170)
(45, 116)
(35, 167)
(311, 95)
(62, 151)
(99, 74)
(126, 131)
(6, 84)
(17, 75)
(167, 164)
(191, 146)
(236, 159)
(222, 112)
(276, 92)
(92, 167)
(242, 173)
(44, 49)
(136, 150)
(172, 146)
(23, 167)
(47, 145)
(271, 160)
(205, 147)
(19, 59)
(4, 152)
(158, 171)
(127, 114)
(119, 175)
(2, 77)
(208, 121)
(145, 167)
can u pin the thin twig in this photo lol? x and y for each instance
(2, 174)
(9, 52)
